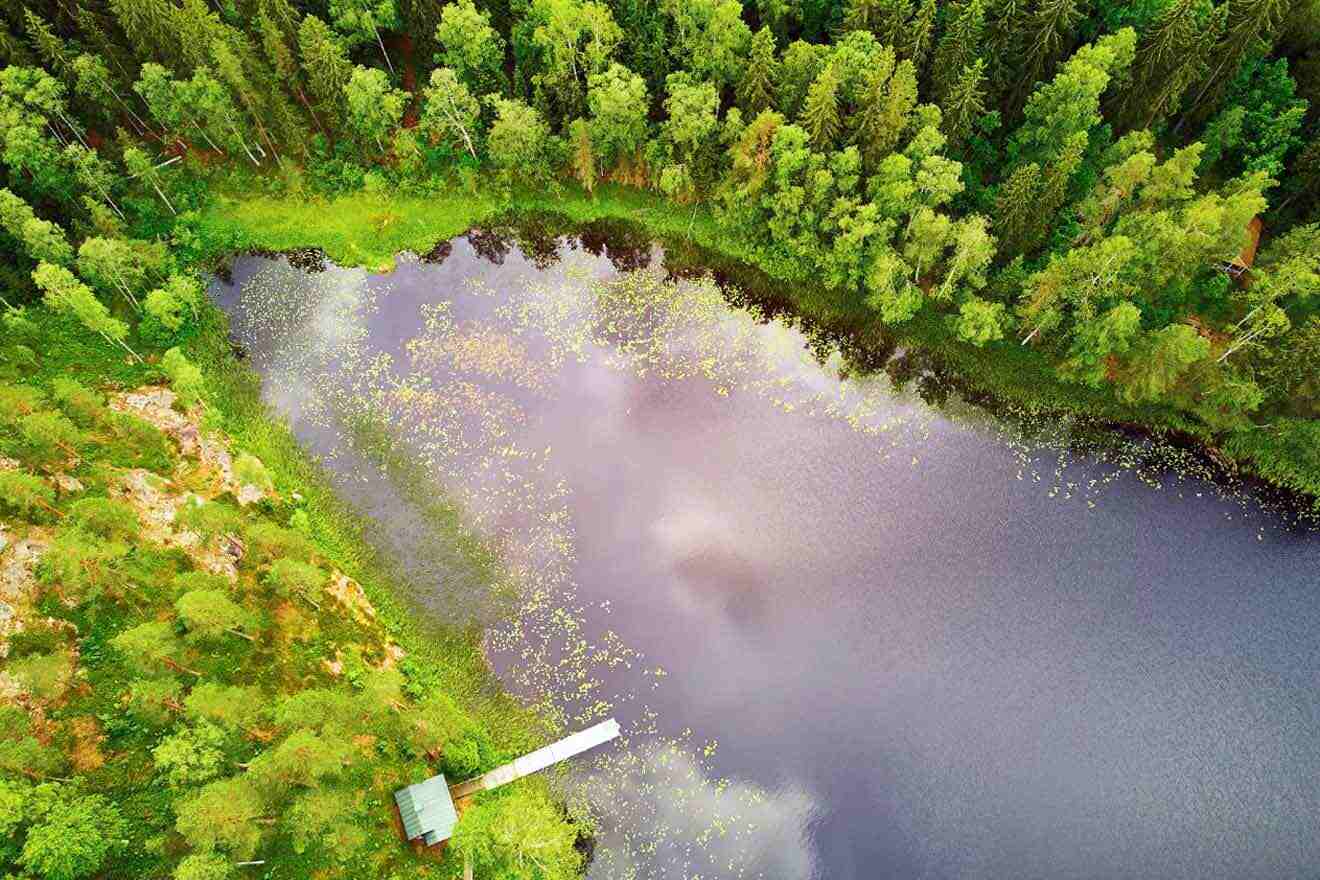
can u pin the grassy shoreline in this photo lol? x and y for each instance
(365, 229)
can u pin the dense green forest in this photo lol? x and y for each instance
(1112, 204)
(1121, 190)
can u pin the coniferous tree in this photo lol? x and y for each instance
(1046, 34)
(1250, 27)
(1016, 209)
(862, 15)
(893, 23)
(149, 26)
(51, 48)
(886, 106)
(326, 63)
(919, 37)
(960, 45)
(1171, 55)
(820, 114)
(756, 89)
(282, 62)
(964, 104)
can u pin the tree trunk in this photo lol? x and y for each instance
(381, 43)
(163, 198)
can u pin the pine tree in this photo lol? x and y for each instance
(960, 45)
(756, 89)
(964, 104)
(820, 114)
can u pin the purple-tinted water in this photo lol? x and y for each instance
(918, 659)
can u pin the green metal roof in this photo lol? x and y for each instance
(427, 810)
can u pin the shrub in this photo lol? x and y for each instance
(106, 517)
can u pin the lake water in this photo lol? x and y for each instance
(851, 635)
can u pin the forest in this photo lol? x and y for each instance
(1114, 204)
(1122, 191)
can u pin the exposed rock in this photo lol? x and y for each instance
(156, 507)
(156, 405)
(18, 583)
(249, 494)
(393, 654)
(9, 464)
(349, 593)
(68, 485)
(10, 623)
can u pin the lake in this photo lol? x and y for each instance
(851, 634)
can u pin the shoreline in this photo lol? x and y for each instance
(978, 375)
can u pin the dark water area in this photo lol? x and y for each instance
(926, 647)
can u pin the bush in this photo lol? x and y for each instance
(249, 471)
(106, 517)
(84, 406)
(185, 378)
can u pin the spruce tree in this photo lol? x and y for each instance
(149, 26)
(964, 104)
(820, 114)
(919, 36)
(960, 45)
(326, 63)
(892, 26)
(52, 50)
(1016, 209)
(884, 113)
(862, 15)
(1170, 56)
(756, 89)
(1250, 30)
(1047, 33)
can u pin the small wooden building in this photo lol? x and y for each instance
(427, 810)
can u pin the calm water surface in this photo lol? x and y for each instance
(854, 637)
